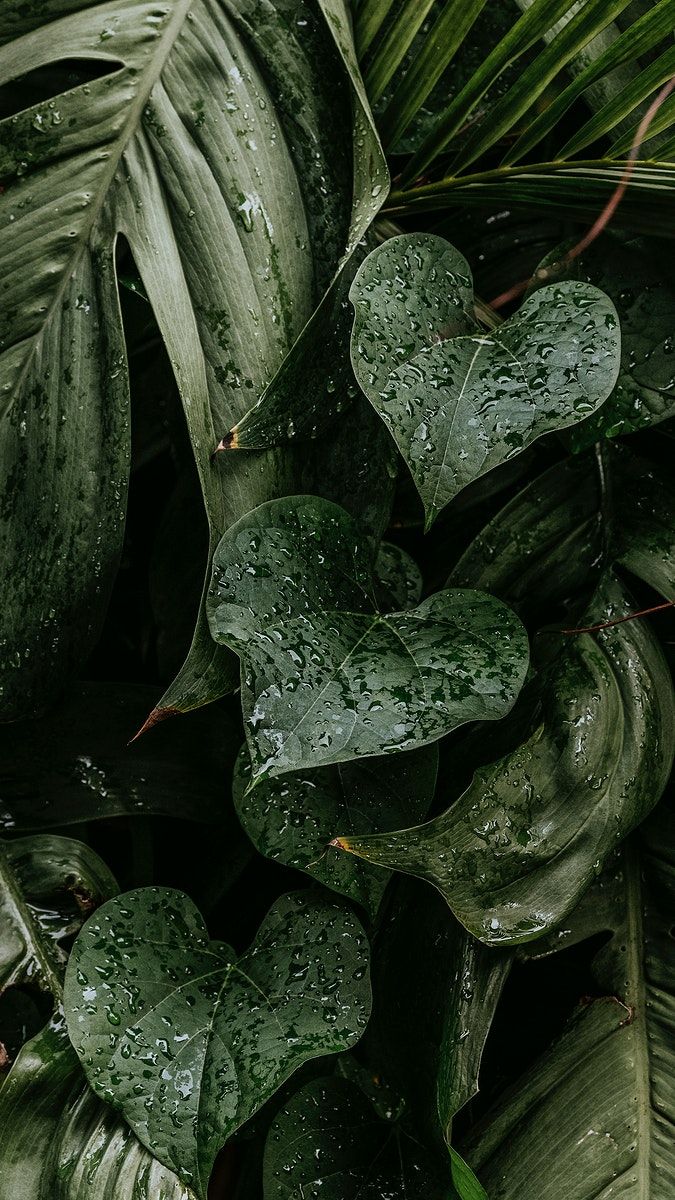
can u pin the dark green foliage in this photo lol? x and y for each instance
(383, 908)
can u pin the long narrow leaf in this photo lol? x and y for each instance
(439, 49)
(638, 39)
(530, 86)
(370, 17)
(395, 45)
(525, 32)
(623, 105)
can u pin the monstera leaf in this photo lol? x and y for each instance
(459, 400)
(185, 1039)
(216, 140)
(513, 855)
(599, 1107)
(293, 819)
(326, 678)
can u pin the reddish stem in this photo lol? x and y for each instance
(644, 612)
(602, 221)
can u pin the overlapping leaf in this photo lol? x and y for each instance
(514, 854)
(218, 144)
(634, 275)
(459, 400)
(293, 819)
(606, 1088)
(186, 1039)
(325, 678)
(59, 1142)
(328, 1137)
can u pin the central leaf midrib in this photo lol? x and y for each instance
(164, 48)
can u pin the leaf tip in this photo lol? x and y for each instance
(155, 718)
(341, 844)
(229, 442)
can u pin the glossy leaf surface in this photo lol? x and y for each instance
(515, 852)
(459, 400)
(186, 1039)
(325, 678)
(217, 142)
(328, 1140)
(293, 819)
(606, 1088)
(59, 1142)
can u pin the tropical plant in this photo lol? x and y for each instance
(337, 363)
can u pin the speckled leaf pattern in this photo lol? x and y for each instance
(292, 819)
(60, 1142)
(219, 145)
(637, 278)
(325, 678)
(48, 884)
(186, 1039)
(329, 1141)
(459, 400)
(599, 1107)
(513, 855)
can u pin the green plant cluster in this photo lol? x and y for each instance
(337, 425)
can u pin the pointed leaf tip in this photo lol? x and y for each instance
(229, 442)
(155, 718)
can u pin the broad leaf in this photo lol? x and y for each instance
(74, 764)
(59, 1142)
(328, 1140)
(593, 1118)
(634, 275)
(513, 854)
(219, 146)
(325, 678)
(48, 885)
(187, 1040)
(436, 991)
(293, 819)
(459, 400)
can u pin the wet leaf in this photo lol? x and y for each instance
(48, 886)
(292, 819)
(218, 142)
(187, 1040)
(598, 1108)
(325, 678)
(328, 1140)
(436, 990)
(515, 852)
(459, 400)
(636, 277)
(59, 1142)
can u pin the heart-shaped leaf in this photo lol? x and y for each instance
(513, 855)
(329, 1140)
(460, 400)
(326, 678)
(637, 278)
(293, 819)
(186, 1039)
